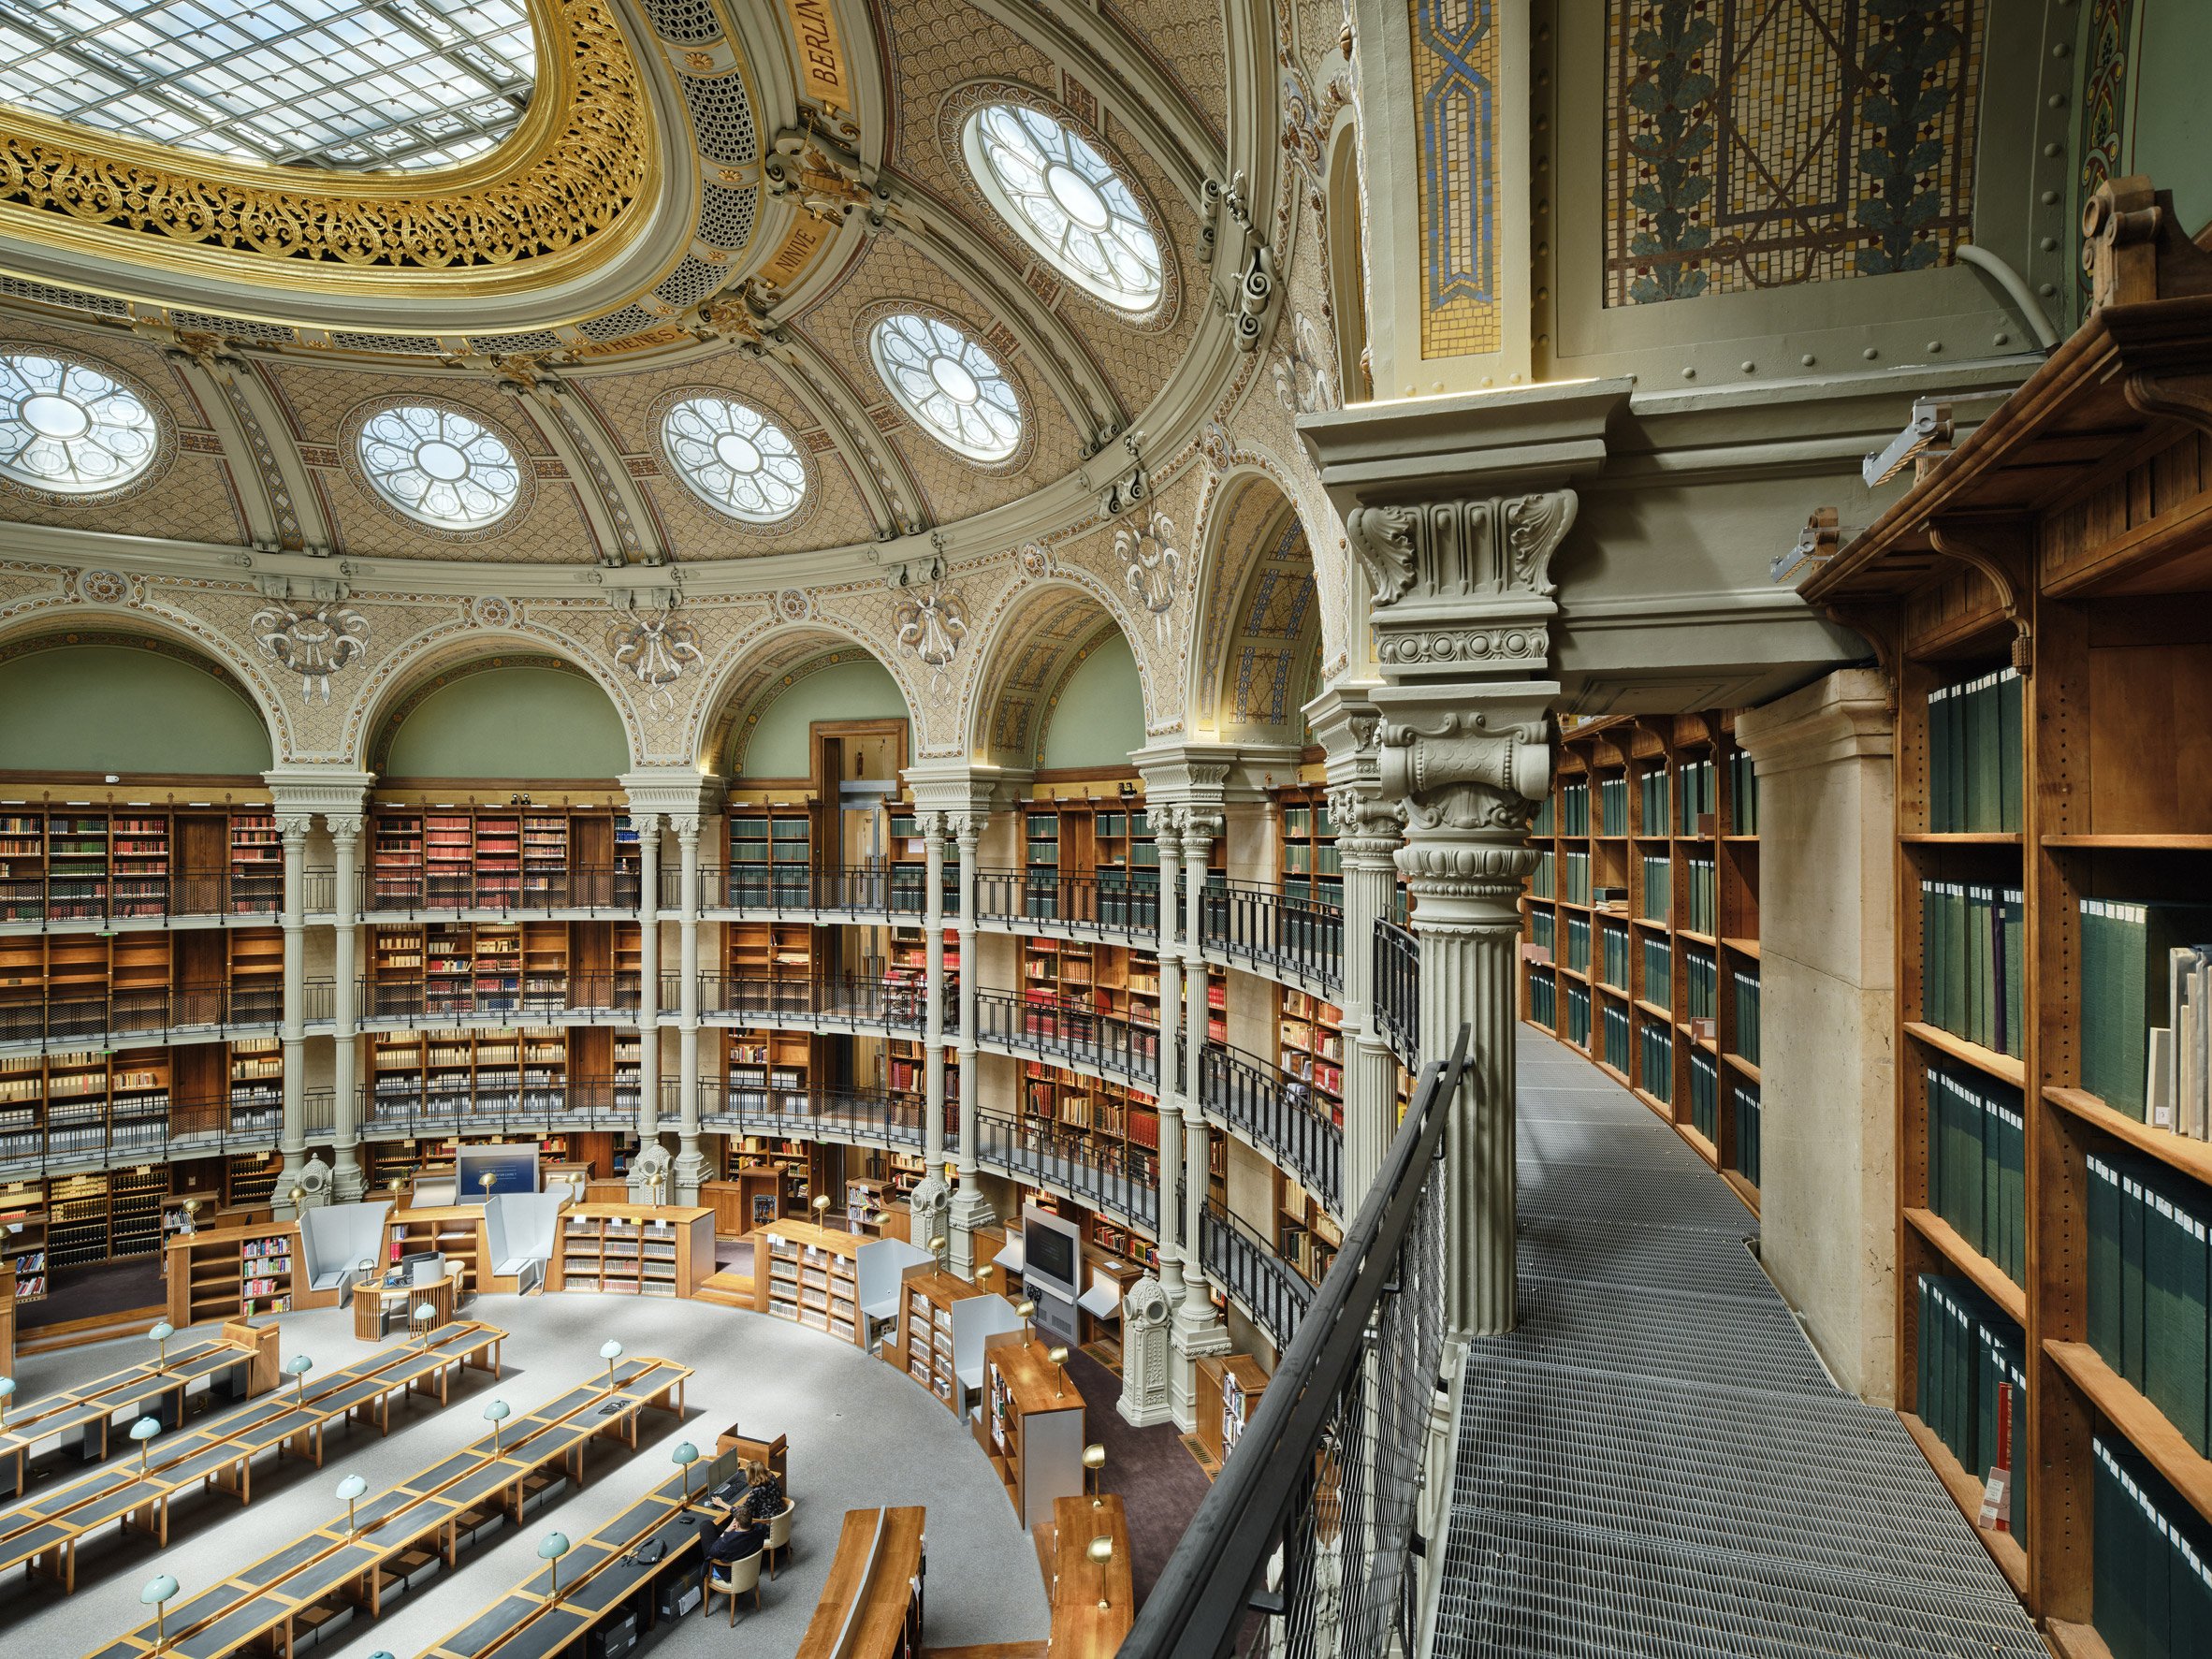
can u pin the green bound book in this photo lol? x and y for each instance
(2129, 995)
(1981, 748)
(1978, 970)
(2095, 1005)
(2104, 1264)
(2133, 1215)
(2193, 1316)
(2010, 744)
(2016, 973)
(1955, 783)
(1939, 760)
(2162, 1343)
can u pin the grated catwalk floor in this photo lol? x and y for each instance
(1654, 1465)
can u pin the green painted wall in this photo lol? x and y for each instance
(511, 722)
(109, 708)
(2169, 133)
(859, 690)
(1100, 715)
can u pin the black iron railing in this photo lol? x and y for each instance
(1398, 990)
(1283, 1116)
(1300, 936)
(392, 1109)
(871, 1116)
(60, 1018)
(614, 890)
(1053, 1030)
(1312, 1521)
(503, 993)
(1124, 903)
(849, 890)
(1247, 1266)
(139, 1127)
(108, 900)
(1111, 1178)
(846, 1004)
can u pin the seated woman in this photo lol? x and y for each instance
(765, 1490)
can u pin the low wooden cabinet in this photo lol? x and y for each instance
(1228, 1391)
(1032, 1427)
(809, 1276)
(633, 1249)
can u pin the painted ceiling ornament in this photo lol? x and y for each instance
(1216, 445)
(104, 587)
(1153, 567)
(793, 605)
(655, 649)
(491, 611)
(932, 622)
(1037, 560)
(316, 642)
(1304, 385)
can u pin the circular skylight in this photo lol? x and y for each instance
(67, 427)
(949, 385)
(1066, 201)
(736, 457)
(440, 466)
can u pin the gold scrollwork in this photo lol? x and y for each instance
(586, 151)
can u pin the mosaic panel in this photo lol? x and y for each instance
(1762, 143)
(1455, 77)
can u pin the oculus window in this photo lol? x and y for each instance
(439, 467)
(1067, 202)
(68, 429)
(735, 458)
(347, 85)
(953, 388)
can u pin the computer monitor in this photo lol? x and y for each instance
(512, 1165)
(1052, 1252)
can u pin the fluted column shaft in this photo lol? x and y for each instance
(967, 830)
(1167, 825)
(345, 1158)
(649, 975)
(292, 1029)
(1199, 831)
(932, 826)
(689, 1162)
(1366, 841)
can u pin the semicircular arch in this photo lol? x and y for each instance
(1031, 648)
(1258, 626)
(749, 678)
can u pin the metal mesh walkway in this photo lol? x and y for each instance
(1655, 1463)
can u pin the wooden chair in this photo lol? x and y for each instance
(780, 1535)
(733, 1581)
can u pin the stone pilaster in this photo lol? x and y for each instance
(345, 1075)
(691, 1163)
(648, 825)
(1167, 836)
(932, 826)
(1367, 836)
(292, 1138)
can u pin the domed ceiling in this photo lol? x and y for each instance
(615, 282)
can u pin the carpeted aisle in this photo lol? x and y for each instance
(1158, 1481)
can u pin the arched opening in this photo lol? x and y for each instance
(1061, 688)
(509, 718)
(1261, 651)
(1345, 235)
(77, 704)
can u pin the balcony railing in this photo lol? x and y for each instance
(1282, 1115)
(1315, 1509)
(1053, 1031)
(866, 1115)
(112, 901)
(139, 1128)
(852, 889)
(1106, 1177)
(1122, 902)
(847, 1004)
(521, 999)
(1301, 936)
(518, 1108)
(60, 1018)
(614, 890)
(1398, 990)
(1247, 1266)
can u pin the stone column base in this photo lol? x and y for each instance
(691, 1170)
(347, 1182)
(1191, 1341)
(968, 1212)
(1146, 1314)
(928, 1209)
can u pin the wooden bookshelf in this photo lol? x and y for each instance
(633, 1249)
(1642, 915)
(808, 1275)
(238, 1273)
(924, 1345)
(454, 1230)
(1228, 1391)
(2072, 546)
(1031, 1427)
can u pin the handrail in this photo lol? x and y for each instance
(1122, 902)
(1118, 1180)
(847, 1002)
(1281, 1114)
(616, 888)
(146, 1126)
(108, 900)
(1398, 990)
(1249, 1269)
(875, 1116)
(1056, 1030)
(855, 889)
(497, 993)
(33, 1013)
(595, 1103)
(1273, 1493)
(1261, 924)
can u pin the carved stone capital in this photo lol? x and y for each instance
(967, 828)
(1367, 823)
(1167, 824)
(294, 828)
(1462, 585)
(1199, 830)
(1469, 767)
(686, 826)
(343, 826)
(932, 827)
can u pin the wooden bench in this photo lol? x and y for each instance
(871, 1607)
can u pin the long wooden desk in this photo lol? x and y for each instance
(262, 1606)
(45, 1532)
(871, 1607)
(597, 1577)
(150, 1390)
(1081, 1629)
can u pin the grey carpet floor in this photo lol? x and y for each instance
(1656, 1465)
(861, 1434)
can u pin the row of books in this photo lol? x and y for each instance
(1615, 1037)
(1701, 983)
(1975, 755)
(1575, 878)
(2140, 960)
(1977, 1154)
(1747, 1016)
(1702, 911)
(1578, 1015)
(2150, 1583)
(1655, 1059)
(1612, 805)
(1751, 1121)
(1578, 954)
(1967, 1348)
(1744, 795)
(2150, 1297)
(1658, 886)
(1543, 930)
(1613, 968)
(1543, 999)
(1574, 809)
(1973, 963)
(1692, 797)
(1658, 972)
(1651, 790)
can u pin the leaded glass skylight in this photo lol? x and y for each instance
(949, 385)
(344, 84)
(439, 467)
(1066, 201)
(736, 458)
(67, 427)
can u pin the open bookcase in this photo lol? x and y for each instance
(2054, 1174)
(633, 1249)
(808, 1276)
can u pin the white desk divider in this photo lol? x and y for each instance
(974, 1319)
(519, 1233)
(877, 1267)
(335, 1240)
(1102, 1301)
(1011, 1258)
